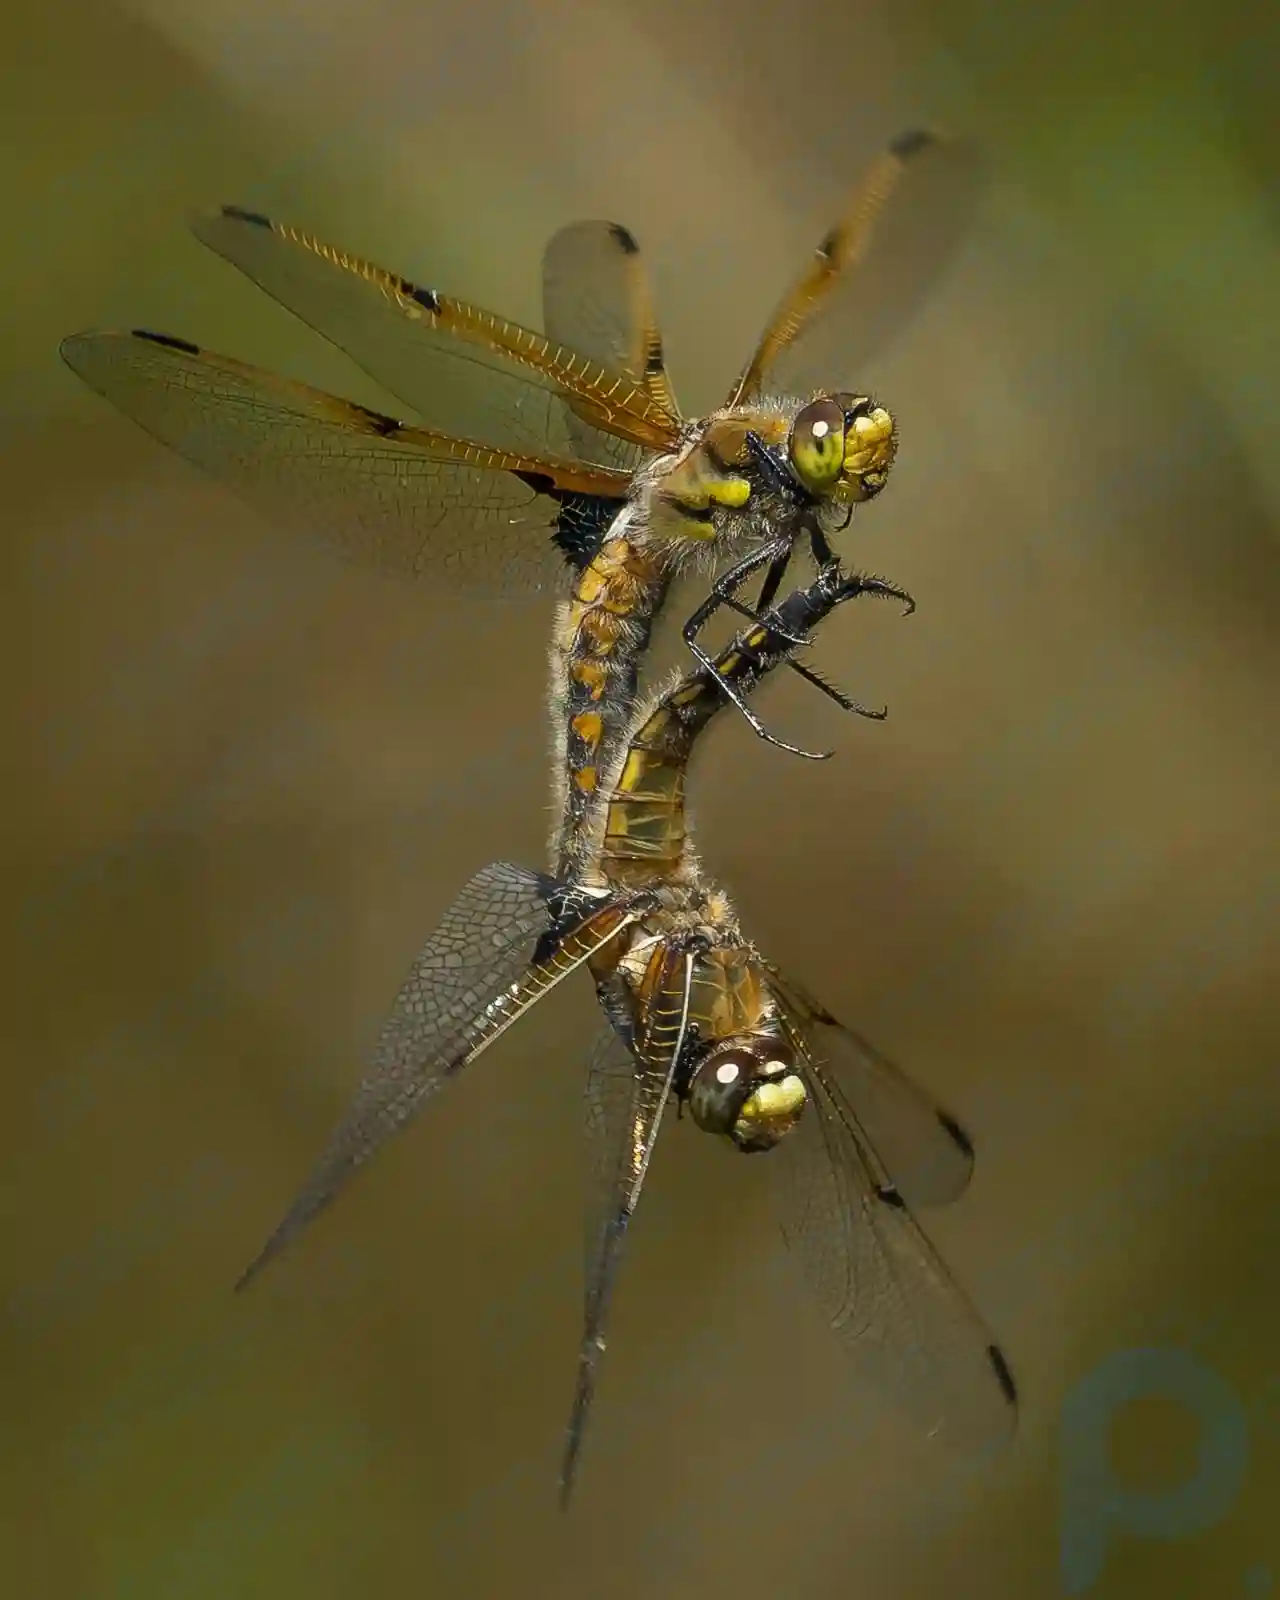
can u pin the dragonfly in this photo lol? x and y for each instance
(697, 1018)
(560, 460)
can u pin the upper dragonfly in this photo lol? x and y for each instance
(695, 1015)
(538, 452)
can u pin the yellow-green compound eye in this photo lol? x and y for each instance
(816, 445)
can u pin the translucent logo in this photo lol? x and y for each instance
(1098, 1508)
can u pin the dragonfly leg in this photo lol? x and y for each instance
(850, 587)
(772, 581)
(735, 697)
(724, 590)
(722, 595)
(844, 701)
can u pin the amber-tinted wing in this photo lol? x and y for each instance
(904, 223)
(628, 1086)
(596, 299)
(384, 494)
(463, 370)
(909, 1328)
(484, 966)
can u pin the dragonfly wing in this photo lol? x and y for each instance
(400, 499)
(909, 1328)
(926, 1154)
(628, 1086)
(495, 954)
(902, 227)
(463, 370)
(596, 299)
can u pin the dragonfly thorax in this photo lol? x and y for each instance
(743, 472)
(748, 1089)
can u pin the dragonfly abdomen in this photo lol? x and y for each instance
(601, 633)
(645, 829)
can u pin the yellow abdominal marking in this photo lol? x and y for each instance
(588, 725)
(586, 779)
(591, 675)
(589, 585)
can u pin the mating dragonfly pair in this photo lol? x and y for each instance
(562, 457)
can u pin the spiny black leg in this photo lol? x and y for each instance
(850, 588)
(844, 701)
(753, 721)
(773, 579)
(757, 614)
(823, 554)
(883, 590)
(723, 590)
(721, 595)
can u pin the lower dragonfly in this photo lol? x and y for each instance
(696, 1016)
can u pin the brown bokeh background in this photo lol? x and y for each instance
(243, 784)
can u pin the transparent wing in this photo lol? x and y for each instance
(903, 225)
(463, 370)
(493, 956)
(596, 299)
(380, 493)
(628, 1087)
(926, 1154)
(611, 1106)
(909, 1328)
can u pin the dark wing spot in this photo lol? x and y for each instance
(1004, 1377)
(583, 521)
(427, 298)
(626, 240)
(830, 245)
(539, 482)
(655, 363)
(168, 341)
(958, 1136)
(381, 424)
(241, 215)
(889, 1194)
(912, 143)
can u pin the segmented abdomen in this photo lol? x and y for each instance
(601, 636)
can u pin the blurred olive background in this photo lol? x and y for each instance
(243, 783)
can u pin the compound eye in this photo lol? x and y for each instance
(719, 1087)
(816, 446)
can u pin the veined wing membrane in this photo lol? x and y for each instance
(925, 1153)
(463, 370)
(903, 225)
(492, 958)
(383, 494)
(908, 1327)
(628, 1086)
(596, 299)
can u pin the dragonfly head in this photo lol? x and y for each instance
(841, 447)
(749, 1090)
